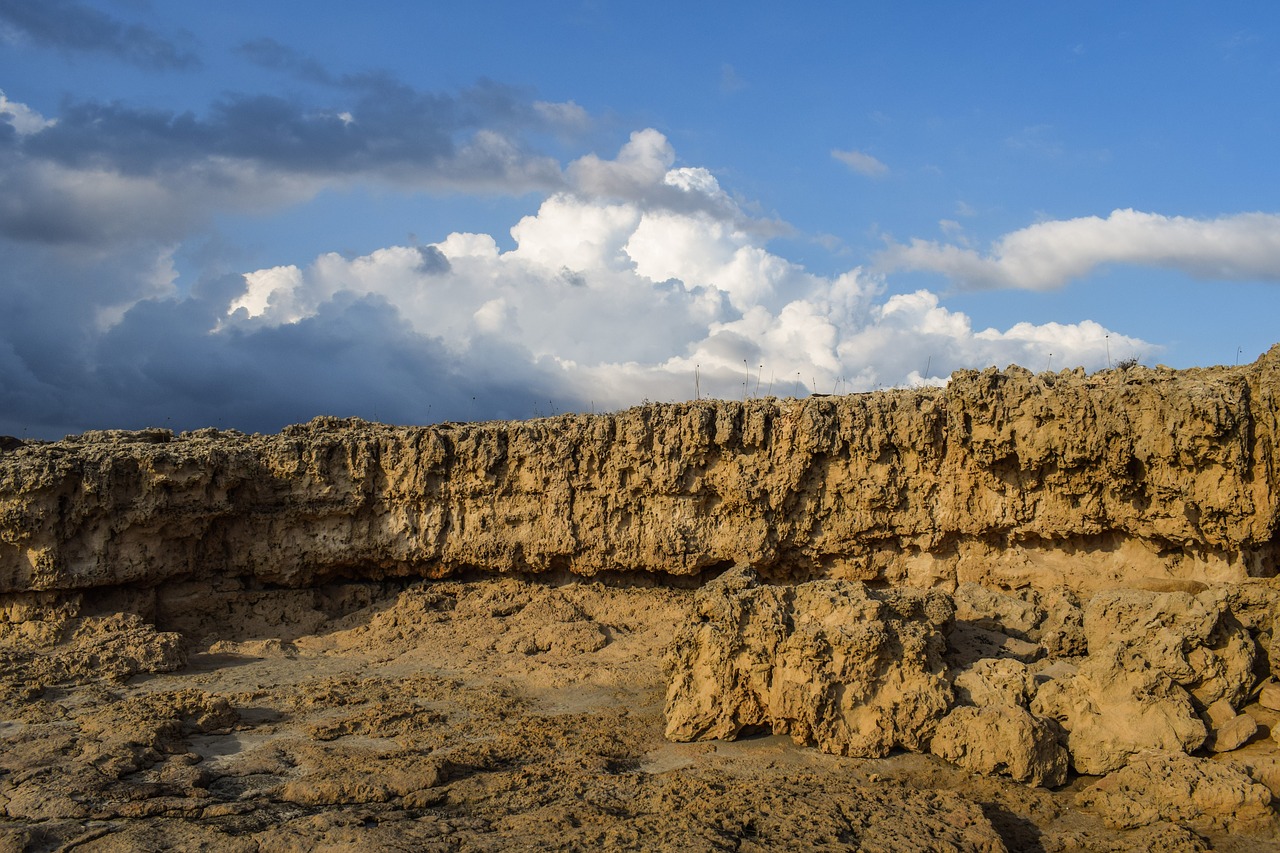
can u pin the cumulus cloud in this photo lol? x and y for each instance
(72, 26)
(862, 163)
(20, 117)
(1048, 255)
(638, 279)
(609, 299)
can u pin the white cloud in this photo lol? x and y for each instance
(862, 163)
(1047, 255)
(565, 116)
(631, 279)
(628, 298)
(23, 119)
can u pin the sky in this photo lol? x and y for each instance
(245, 215)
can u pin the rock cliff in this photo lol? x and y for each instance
(1002, 477)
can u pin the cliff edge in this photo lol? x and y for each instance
(1002, 477)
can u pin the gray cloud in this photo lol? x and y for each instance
(103, 172)
(268, 53)
(72, 26)
(161, 365)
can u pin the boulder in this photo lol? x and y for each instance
(1061, 634)
(1197, 793)
(1269, 696)
(1112, 711)
(1255, 604)
(997, 611)
(1227, 729)
(994, 681)
(1194, 639)
(852, 670)
(1002, 738)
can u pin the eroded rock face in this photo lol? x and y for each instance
(1112, 712)
(1188, 791)
(851, 670)
(1003, 478)
(1002, 739)
(1195, 640)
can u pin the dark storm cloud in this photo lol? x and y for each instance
(107, 171)
(413, 130)
(385, 131)
(355, 357)
(162, 365)
(67, 25)
(98, 199)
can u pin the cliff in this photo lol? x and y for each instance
(1001, 477)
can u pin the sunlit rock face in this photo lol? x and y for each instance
(1003, 478)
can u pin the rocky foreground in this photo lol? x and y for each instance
(1022, 612)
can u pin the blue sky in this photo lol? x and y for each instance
(248, 214)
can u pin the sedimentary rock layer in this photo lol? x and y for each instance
(1001, 477)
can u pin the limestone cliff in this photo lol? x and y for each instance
(1002, 477)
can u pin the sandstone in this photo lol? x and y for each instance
(1231, 734)
(1061, 633)
(997, 611)
(1269, 696)
(1110, 543)
(1111, 712)
(1255, 603)
(851, 670)
(1192, 639)
(1265, 771)
(995, 682)
(968, 643)
(1003, 478)
(1002, 739)
(1193, 792)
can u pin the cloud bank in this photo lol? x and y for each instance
(637, 277)
(1244, 247)
(639, 280)
(71, 26)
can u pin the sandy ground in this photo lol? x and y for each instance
(480, 715)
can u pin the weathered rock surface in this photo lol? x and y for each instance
(1195, 640)
(1002, 739)
(1109, 543)
(1227, 729)
(1269, 696)
(1112, 711)
(1005, 478)
(851, 670)
(994, 681)
(1189, 791)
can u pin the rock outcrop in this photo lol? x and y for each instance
(1002, 477)
(834, 664)
(1002, 739)
(1192, 792)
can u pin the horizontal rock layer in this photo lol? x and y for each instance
(1001, 477)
